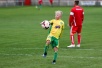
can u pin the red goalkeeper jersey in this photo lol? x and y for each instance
(76, 16)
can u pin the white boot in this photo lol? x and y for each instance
(72, 45)
(78, 45)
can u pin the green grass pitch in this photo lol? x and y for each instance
(22, 39)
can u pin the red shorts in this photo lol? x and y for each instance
(76, 29)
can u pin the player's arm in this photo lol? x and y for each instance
(51, 22)
(61, 33)
(71, 18)
(83, 16)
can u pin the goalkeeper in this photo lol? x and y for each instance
(57, 26)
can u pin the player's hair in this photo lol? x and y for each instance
(76, 2)
(58, 12)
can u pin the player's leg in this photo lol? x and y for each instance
(55, 54)
(79, 35)
(39, 6)
(46, 48)
(48, 41)
(72, 38)
(55, 46)
(79, 39)
(72, 32)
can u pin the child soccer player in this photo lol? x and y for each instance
(51, 2)
(40, 4)
(57, 26)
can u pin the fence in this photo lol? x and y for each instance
(55, 2)
(11, 2)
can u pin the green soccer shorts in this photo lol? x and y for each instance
(53, 41)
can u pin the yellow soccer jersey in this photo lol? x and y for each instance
(56, 27)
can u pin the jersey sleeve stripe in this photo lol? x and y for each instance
(71, 13)
(83, 12)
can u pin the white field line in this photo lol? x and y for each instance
(4, 54)
(80, 57)
(43, 48)
(26, 48)
(59, 49)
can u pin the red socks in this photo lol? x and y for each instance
(79, 39)
(72, 39)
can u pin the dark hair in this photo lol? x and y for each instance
(76, 2)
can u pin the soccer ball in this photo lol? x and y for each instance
(45, 24)
(36, 6)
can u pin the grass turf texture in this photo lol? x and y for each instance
(22, 39)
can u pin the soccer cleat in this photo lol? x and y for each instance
(78, 45)
(72, 45)
(44, 55)
(54, 62)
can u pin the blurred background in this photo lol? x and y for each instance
(6, 3)
(22, 38)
